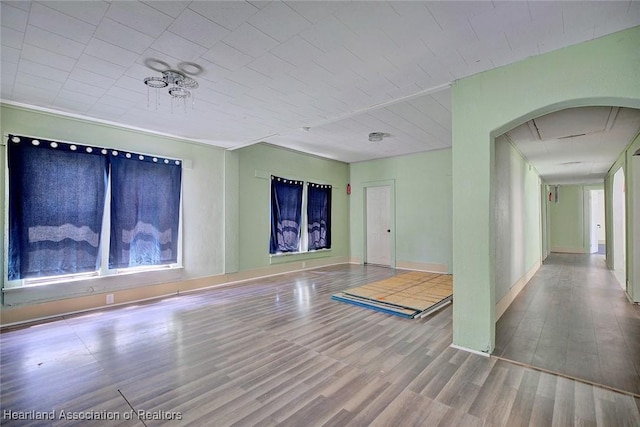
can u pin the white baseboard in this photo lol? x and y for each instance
(468, 350)
(568, 250)
(423, 266)
(505, 301)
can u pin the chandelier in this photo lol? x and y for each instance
(177, 81)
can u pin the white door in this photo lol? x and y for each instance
(378, 225)
(596, 197)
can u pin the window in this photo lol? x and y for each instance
(57, 205)
(287, 200)
(319, 216)
(145, 208)
(286, 210)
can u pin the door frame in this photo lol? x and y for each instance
(391, 183)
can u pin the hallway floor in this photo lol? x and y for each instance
(574, 319)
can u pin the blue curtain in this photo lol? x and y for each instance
(286, 212)
(319, 216)
(145, 210)
(56, 203)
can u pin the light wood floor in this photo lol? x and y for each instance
(573, 318)
(279, 351)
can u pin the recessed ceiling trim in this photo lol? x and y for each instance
(534, 129)
(613, 114)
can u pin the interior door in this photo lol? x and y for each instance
(378, 225)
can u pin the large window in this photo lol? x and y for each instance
(59, 199)
(319, 216)
(286, 213)
(288, 200)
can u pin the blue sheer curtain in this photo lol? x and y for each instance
(56, 204)
(286, 212)
(145, 210)
(319, 216)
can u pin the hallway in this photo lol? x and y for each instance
(574, 319)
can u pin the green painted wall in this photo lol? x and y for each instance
(631, 167)
(567, 220)
(599, 72)
(422, 209)
(256, 164)
(203, 196)
(517, 213)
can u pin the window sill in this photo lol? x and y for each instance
(88, 277)
(298, 256)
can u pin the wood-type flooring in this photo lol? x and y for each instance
(279, 351)
(573, 318)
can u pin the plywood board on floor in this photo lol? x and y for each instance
(414, 291)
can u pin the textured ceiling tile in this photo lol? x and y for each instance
(505, 16)
(270, 65)
(132, 84)
(450, 15)
(279, 21)
(46, 57)
(296, 51)
(88, 11)
(40, 82)
(583, 15)
(10, 37)
(120, 35)
(33, 95)
(42, 71)
(10, 54)
(171, 8)
(198, 29)
(250, 41)
(178, 47)
(327, 34)
(13, 17)
(76, 86)
(53, 42)
(314, 11)
(88, 77)
(26, 6)
(229, 14)
(226, 56)
(140, 17)
(75, 97)
(111, 53)
(60, 24)
(100, 66)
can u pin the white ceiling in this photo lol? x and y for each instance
(343, 69)
(576, 145)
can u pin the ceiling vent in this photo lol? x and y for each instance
(377, 136)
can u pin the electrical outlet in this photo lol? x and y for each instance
(109, 298)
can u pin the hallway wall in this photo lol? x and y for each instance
(631, 166)
(598, 72)
(517, 217)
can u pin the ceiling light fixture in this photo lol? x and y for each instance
(376, 136)
(177, 81)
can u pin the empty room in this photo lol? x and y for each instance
(320, 213)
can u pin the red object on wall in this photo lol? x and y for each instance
(348, 189)
(550, 196)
